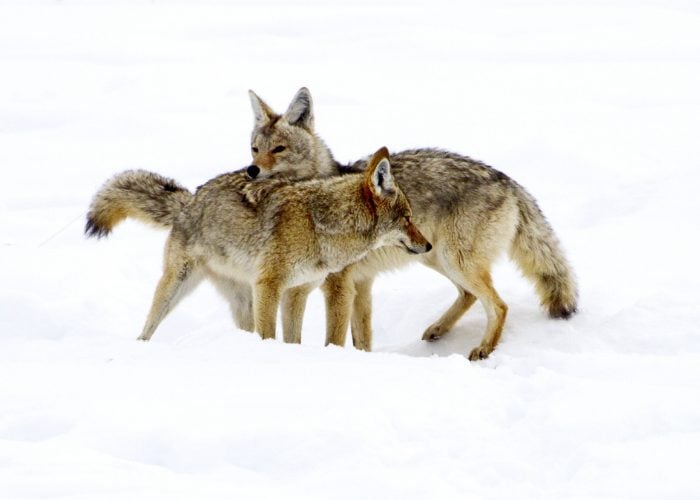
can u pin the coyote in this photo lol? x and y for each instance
(469, 210)
(272, 240)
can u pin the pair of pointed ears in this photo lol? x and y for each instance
(299, 113)
(379, 177)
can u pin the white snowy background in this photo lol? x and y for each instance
(594, 106)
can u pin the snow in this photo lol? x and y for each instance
(593, 106)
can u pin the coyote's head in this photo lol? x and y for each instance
(286, 145)
(390, 207)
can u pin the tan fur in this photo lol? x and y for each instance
(471, 213)
(272, 239)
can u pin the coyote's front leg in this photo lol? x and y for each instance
(361, 323)
(293, 306)
(266, 296)
(339, 293)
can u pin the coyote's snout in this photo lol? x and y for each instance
(253, 171)
(416, 243)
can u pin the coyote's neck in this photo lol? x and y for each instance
(344, 207)
(325, 164)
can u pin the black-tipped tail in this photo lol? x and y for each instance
(138, 194)
(537, 251)
(94, 230)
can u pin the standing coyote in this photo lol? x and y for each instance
(273, 235)
(470, 211)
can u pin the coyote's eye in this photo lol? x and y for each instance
(255, 150)
(278, 149)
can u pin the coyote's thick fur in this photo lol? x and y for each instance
(471, 213)
(260, 242)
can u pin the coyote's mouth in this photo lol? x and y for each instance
(409, 249)
(413, 251)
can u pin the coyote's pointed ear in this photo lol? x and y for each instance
(263, 113)
(379, 177)
(300, 111)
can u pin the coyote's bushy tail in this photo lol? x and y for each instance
(538, 253)
(143, 195)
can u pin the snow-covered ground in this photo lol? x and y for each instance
(593, 106)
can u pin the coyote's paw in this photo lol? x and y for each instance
(434, 332)
(481, 352)
(362, 343)
(362, 346)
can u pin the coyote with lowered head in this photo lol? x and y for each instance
(271, 238)
(470, 211)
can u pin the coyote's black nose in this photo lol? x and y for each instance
(428, 247)
(253, 171)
